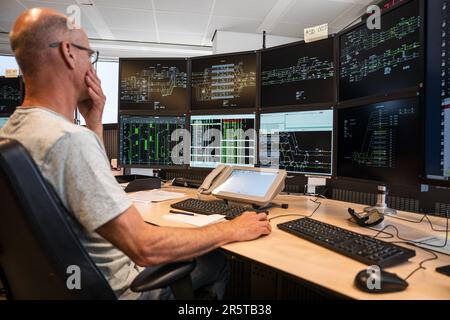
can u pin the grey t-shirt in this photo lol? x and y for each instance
(73, 160)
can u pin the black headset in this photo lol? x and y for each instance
(370, 219)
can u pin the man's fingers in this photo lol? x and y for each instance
(92, 84)
(262, 216)
(266, 230)
(94, 95)
(95, 77)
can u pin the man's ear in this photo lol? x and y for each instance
(68, 54)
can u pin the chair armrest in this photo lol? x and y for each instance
(160, 276)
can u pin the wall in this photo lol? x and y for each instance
(228, 41)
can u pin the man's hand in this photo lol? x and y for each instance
(92, 108)
(249, 226)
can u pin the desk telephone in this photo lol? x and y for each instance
(214, 179)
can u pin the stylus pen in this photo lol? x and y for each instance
(179, 212)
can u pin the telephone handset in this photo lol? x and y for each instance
(214, 179)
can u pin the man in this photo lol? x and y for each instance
(55, 59)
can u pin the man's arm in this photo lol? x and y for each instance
(150, 245)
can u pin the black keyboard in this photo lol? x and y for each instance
(210, 207)
(357, 246)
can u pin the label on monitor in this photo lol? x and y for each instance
(316, 33)
(11, 73)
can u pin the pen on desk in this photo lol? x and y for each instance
(179, 212)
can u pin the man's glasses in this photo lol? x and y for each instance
(92, 53)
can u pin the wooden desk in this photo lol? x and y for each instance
(323, 267)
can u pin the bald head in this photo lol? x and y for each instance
(32, 34)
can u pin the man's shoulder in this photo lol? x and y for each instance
(40, 130)
(57, 128)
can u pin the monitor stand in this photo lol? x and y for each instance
(381, 205)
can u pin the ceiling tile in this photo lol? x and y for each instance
(288, 30)
(91, 33)
(177, 22)
(51, 2)
(58, 5)
(127, 4)
(233, 24)
(314, 12)
(180, 38)
(6, 25)
(184, 6)
(250, 9)
(134, 35)
(128, 19)
(10, 10)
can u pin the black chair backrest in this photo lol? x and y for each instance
(38, 245)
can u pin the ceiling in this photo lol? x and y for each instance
(193, 22)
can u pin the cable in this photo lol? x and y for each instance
(421, 263)
(410, 240)
(413, 242)
(301, 215)
(425, 216)
(390, 236)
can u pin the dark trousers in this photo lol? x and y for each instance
(211, 271)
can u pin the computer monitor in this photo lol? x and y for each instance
(11, 94)
(257, 186)
(298, 73)
(3, 121)
(223, 81)
(299, 142)
(146, 141)
(379, 62)
(381, 142)
(437, 137)
(223, 139)
(153, 84)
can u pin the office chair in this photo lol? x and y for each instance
(37, 242)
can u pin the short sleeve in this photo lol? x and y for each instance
(78, 169)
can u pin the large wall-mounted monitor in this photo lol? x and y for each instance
(224, 81)
(153, 84)
(298, 73)
(437, 138)
(11, 94)
(299, 142)
(378, 62)
(381, 142)
(148, 141)
(223, 139)
(3, 121)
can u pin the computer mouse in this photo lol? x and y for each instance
(379, 282)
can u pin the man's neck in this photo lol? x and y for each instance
(55, 99)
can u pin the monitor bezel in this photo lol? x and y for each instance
(147, 166)
(426, 179)
(333, 150)
(332, 38)
(194, 110)
(21, 85)
(422, 14)
(368, 101)
(224, 114)
(162, 112)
